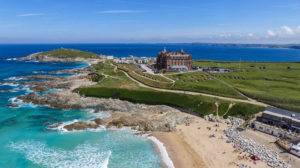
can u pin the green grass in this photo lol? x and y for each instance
(153, 77)
(117, 85)
(277, 84)
(195, 81)
(199, 104)
(69, 53)
(272, 83)
(202, 82)
(135, 73)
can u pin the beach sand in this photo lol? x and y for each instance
(191, 147)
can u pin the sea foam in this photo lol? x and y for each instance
(9, 84)
(62, 129)
(163, 152)
(13, 78)
(11, 59)
(20, 103)
(82, 156)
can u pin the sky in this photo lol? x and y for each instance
(149, 21)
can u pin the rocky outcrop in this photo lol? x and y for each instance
(49, 58)
(138, 116)
(88, 69)
(12, 105)
(80, 126)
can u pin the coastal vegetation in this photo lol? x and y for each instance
(203, 82)
(117, 85)
(276, 84)
(147, 79)
(199, 104)
(195, 81)
(69, 53)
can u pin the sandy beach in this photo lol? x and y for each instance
(191, 147)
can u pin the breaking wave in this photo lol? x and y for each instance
(37, 72)
(163, 152)
(62, 129)
(9, 84)
(20, 103)
(14, 79)
(83, 156)
(11, 59)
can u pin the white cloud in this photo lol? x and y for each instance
(250, 34)
(287, 30)
(271, 33)
(121, 11)
(30, 14)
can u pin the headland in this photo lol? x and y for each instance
(175, 118)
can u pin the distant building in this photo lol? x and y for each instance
(281, 118)
(174, 60)
(109, 57)
(135, 60)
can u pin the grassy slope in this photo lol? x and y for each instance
(188, 81)
(276, 85)
(118, 85)
(202, 82)
(69, 53)
(201, 105)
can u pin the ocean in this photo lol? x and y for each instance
(26, 143)
(198, 51)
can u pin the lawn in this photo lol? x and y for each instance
(116, 84)
(147, 79)
(277, 84)
(195, 81)
(202, 82)
(199, 104)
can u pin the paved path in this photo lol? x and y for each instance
(150, 71)
(251, 101)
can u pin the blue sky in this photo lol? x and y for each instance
(130, 21)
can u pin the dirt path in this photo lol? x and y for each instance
(251, 101)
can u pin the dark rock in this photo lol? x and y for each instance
(99, 121)
(12, 106)
(80, 126)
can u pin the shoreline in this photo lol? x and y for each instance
(159, 147)
(192, 147)
(186, 146)
(162, 152)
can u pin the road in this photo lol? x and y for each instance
(250, 101)
(150, 71)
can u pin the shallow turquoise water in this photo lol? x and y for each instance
(26, 143)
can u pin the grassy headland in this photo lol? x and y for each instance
(116, 84)
(277, 84)
(195, 81)
(69, 53)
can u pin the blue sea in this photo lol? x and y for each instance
(198, 51)
(26, 143)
